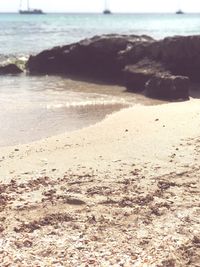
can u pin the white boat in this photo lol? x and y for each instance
(179, 12)
(106, 9)
(28, 10)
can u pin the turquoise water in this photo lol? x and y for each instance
(29, 34)
(35, 107)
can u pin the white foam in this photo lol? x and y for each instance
(87, 103)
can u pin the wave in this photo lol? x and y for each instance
(89, 103)
(19, 60)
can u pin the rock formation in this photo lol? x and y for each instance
(136, 75)
(166, 86)
(160, 68)
(93, 58)
(10, 69)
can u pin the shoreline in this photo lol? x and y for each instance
(67, 106)
(123, 191)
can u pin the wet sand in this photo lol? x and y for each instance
(32, 107)
(123, 192)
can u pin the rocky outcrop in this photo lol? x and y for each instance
(140, 62)
(96, 58)
(136, 51)
(181, 54)
(136, 76)
(10, 69)
(166, 86)
(155, 80)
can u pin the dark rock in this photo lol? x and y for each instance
(166, 86)
(162, 68)
(136, 76)
(136, 51)
(10, 69)
(181, 54)
(99, 57)
(155, 50)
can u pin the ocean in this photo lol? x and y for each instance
(28, 34)
(34, 107)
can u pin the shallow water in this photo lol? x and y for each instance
(33, 107)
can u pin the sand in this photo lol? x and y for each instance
(123, 192)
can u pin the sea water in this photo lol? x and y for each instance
(35, 107)
(27, 34)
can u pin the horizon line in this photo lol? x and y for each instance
(100, 12)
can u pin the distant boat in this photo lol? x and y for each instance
(179, 12)
(107, 12)
(29, 11)
(106, 9)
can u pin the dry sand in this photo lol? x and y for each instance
(124, 192)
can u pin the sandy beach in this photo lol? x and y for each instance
(123, 192)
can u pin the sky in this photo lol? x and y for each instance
(98, 5)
